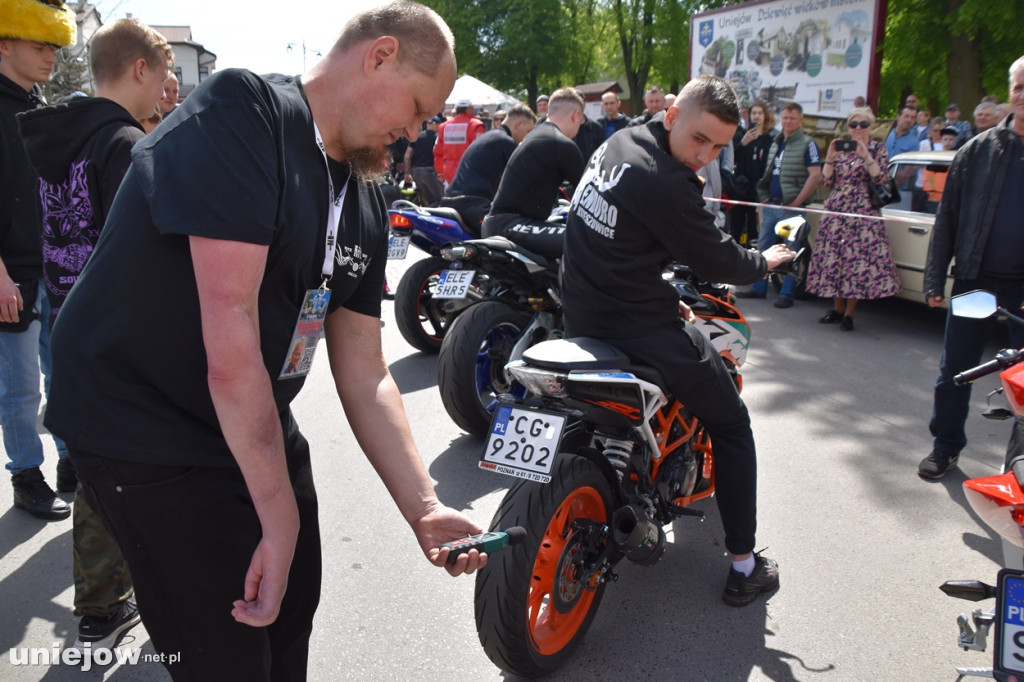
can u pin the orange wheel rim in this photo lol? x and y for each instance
(550, 630)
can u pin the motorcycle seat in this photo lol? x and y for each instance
(449, 213)
(586, 353)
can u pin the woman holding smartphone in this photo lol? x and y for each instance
(852, 259)
(751, 157)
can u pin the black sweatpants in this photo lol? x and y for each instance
(697, 377)
(540, 237)
(188, 534)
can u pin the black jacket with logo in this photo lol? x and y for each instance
(81, 150)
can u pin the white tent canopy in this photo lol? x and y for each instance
(479, 93)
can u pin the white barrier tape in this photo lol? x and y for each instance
(889, 218)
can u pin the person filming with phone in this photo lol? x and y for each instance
(852, 259)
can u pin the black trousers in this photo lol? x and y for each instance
(540, 237)
(697, 377)
(472, 209)
(188, 534)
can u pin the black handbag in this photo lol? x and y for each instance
(29, 289)
(884, 194)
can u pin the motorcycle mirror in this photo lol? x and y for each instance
(975, 305)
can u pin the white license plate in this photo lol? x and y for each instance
(523, 443)
(453, 283)
(398, 246)
(1009, 654)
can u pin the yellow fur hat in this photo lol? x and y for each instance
(45, 21)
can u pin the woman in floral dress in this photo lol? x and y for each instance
(852, 259)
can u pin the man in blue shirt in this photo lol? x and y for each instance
(613, 120)
(902, 138)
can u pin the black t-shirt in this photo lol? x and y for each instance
(482, 165)
(1004, 246)
(637, 208)
(423, 150)
(238, 161)
(529, 185)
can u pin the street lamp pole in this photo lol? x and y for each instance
(291, 45)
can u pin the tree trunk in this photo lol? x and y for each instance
(963, 67)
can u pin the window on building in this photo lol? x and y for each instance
(177, 74)
(204, 71)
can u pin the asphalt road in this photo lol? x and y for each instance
(863, 543)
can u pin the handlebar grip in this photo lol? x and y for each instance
(1004, 358)
(976, 373)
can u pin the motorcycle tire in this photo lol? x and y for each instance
(519, 625)
(420, 319)
(471, 363)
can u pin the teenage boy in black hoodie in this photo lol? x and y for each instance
(638, 206)
(30, 34)
(82, 150)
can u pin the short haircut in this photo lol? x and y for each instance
(612, 93)
(985, 105)
(564, 99)
(710, 94)
(769, 115)
(654, 90)
(1017, 65)
(519, 110)
(117, 45)
(863, 112)
(423, 37)
(793, 106)
(904, 108)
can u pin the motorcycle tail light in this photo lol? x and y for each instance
(538, 381)
(999, 501)
(457, 252)
(399, 220)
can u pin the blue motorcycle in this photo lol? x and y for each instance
(430, 295)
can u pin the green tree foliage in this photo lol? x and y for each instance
(949, 50)
(943, 50)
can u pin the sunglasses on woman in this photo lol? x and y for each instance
(859, 124)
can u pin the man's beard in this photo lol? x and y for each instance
(368, 164)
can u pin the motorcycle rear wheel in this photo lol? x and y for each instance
(471, 363)
(520, 626)
(421, 320)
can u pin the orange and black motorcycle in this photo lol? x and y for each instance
(606, 458)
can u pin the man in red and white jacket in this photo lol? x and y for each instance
(453, 137)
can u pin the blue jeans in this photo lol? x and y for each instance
(21, 356)
(766, 239)
(964, 342)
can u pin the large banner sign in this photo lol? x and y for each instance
(819, 53)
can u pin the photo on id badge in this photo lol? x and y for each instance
(308, 330)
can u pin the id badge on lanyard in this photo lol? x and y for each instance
(310, 325)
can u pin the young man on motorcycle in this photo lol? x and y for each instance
(529, 186)
(637, 207)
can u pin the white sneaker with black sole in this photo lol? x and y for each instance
(104, 633)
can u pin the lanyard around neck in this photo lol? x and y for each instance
(334, 210)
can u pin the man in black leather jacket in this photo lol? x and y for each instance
(978, 224)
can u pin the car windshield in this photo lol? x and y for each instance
(920, 186)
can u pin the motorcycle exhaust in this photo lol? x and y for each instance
(641, 540)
